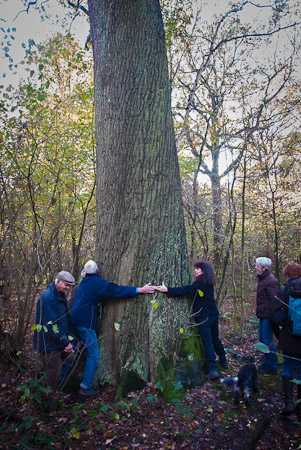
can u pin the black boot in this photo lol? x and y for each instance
(288, 396)
(298, 406)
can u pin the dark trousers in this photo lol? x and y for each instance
(208, 330)
(53, 363)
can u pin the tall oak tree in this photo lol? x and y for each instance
(140, 223)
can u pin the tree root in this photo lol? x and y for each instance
(262, 424)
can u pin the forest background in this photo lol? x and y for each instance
(236, 104)
(235, 79)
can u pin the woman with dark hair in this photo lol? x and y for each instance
(288, 343)
(205, 312)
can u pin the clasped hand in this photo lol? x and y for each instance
(148, 289)
(161, 288)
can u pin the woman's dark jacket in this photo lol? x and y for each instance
(52, 307)
(202, 295)
(91, 290)
(266, 291)
(288, 343)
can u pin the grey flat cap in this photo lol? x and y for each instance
(66, 277)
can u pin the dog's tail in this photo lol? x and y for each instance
(231, 382)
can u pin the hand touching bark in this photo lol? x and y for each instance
(161, 288)
(146, 289)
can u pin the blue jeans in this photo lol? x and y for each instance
(265, 334)
(208, 330)
(290, 363)
(89, 339)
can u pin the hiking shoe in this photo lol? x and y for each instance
(89, 391)
(213, 375)
(267, 369)
(224, 364)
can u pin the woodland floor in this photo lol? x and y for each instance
(205, 419)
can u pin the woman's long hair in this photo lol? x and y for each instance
(207, 276)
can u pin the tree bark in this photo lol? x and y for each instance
(140, 222)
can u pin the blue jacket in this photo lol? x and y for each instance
(289, 343)
(52, 306)
(91, 290)
(203, 298)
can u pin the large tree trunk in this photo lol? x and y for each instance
(140, 229)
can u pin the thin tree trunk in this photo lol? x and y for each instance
(217, 217)
(243, 223)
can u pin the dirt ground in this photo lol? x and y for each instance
(205, 419)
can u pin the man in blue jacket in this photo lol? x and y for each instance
(54, 329)
(84, 315)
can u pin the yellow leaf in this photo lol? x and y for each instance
(181, 330)
(74, 433)
(156, 305)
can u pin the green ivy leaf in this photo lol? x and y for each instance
(104, 408)
(150, 398)
(262, 347)
(37, 327)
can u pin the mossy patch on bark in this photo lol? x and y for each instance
(131, 382)
(182, 370)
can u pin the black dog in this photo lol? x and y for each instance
(246, 383)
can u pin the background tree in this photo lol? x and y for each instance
(226, 95)
(209, 111)
(47, 176)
